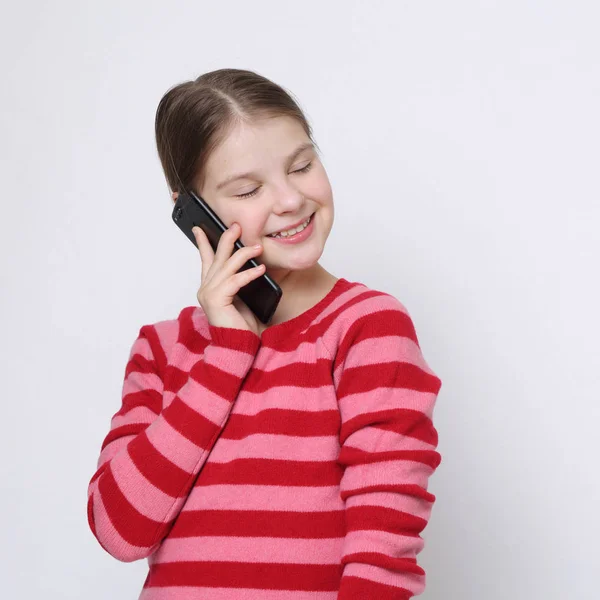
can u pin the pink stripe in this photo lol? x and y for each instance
(200, 322)
(270, 359)
(231, 361)
(174, 446)
(140, 493)
(139, 414)
(409, 581)
(195, 593)
(92, 488)
(371, 439)
(351, 314)
(394, 545)
(384, 398)
(277, 446)
(142, 347)
(234, 362)
(312, 399)
(167, 333)
(391, 348)
(404, 502)
(264, 497)
(375, 303)
(137, 381)
(391, 472)
(168, 397)
(110, 537)
(340, 301)
(113, 448)
(363, 307)
(251, 550)
(202, 400)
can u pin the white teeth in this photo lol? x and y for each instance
(290, 232)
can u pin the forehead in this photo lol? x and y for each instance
(248, 144)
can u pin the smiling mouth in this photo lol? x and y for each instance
(278, 234)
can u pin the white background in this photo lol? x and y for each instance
(462, 144)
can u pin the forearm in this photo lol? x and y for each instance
(135, 496)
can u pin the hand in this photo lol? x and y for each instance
(221, 280)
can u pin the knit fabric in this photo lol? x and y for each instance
(288, 466)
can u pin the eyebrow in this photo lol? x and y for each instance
(248, 174)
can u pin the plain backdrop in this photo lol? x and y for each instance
(462, 143)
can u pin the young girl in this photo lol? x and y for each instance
(279, 462)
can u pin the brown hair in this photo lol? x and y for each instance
(194, 117)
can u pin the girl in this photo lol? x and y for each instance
(278, 462)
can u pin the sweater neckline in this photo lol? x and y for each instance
(285, 328)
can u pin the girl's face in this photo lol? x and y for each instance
(277, 189)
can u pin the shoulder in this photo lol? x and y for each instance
(376, 327)
(369, 311)
(188, 327)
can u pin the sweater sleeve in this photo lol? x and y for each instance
(152, 454)
(386, 394)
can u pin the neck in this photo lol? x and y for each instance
(301, 289)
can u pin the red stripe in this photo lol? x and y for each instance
(355, 456)
(254, 523)
(381, 323)
(408, 489)
(355, 588)
(316, 331)
(193, 340)
(188, 335)
(157, 469)
(158, 352)
(298, 374)
(133, 527)
(174, 379)
(399, 375)
(191, 424)
(413, 423)
(404, 421)
(149, 398)
(124, 430)
(406, 565)
(97, 473)
(216, 380)
(139, 364)
(91, 521)
(90, 515)
(283, 422)
(258, 471)
(382, 518)
(261, 576)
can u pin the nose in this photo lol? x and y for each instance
(288, 198)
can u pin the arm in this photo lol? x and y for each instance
(386, 394)
(151, 456)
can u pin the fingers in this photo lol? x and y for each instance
(234, 283)
(225, 262)
(207, 254)
(226, 243)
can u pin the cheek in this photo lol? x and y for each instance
(253, 225)
(319, 187)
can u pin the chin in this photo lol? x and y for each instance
(299, 263)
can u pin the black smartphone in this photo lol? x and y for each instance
(261, 295)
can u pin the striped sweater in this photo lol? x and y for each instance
(288, 466)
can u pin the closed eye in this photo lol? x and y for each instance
(255, 191)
